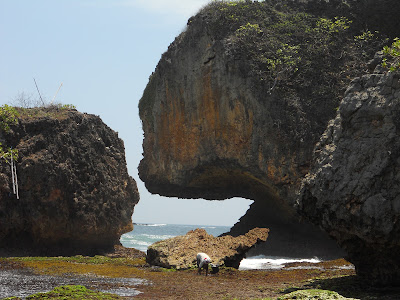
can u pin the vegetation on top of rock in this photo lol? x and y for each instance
(8, 116)
(303, 53)
(24, 100)
(293, 48)
(392, 53)
(56, 111)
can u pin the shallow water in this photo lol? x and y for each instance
(22, 283)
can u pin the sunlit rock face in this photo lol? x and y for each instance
(75, 194)
(211, 132)
(180, 252)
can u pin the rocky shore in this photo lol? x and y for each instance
(284, 103)
(125, 275)
(180, 252)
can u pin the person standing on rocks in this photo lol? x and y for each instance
(202, 262)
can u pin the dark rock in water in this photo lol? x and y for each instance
(75, 193)
(180, 252)
(353, 189)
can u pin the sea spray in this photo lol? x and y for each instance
(262, 262)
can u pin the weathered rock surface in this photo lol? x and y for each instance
(75, 193)
(180, 252)
(212, 131)
(353, 188)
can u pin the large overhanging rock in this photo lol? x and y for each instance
(180, 252)
(353, 191)
(214, 130)
(75, 194)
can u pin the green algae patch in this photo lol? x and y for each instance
(73, 292)
(314, 294)
(98, 259)
(97, 265)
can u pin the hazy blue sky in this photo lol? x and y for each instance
(103, 51)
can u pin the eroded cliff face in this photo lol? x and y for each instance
(211, 131)
(75, 193)
(352, 190)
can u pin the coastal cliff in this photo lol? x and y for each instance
(75, 195)
(237, 103)
(352, 191)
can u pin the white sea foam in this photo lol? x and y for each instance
(158, 236)
(141, 243)
(346, 267)
(262, 262)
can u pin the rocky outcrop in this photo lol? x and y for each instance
(75, 195)
(353, 188)
(180, 252)
(215, 126)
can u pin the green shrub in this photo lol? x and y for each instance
(284, 63)
(367, 43)
(392, 53)
(248, 30)
(8, 116)
(68, 106)
(7, 153)
(338, 25)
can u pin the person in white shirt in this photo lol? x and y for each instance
(202, 262)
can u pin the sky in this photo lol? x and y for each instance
(102, 52)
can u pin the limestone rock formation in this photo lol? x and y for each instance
(180, 252)
(75, 195)
(352, 190)
(215, 126)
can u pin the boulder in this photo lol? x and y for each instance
(75, 194)
(180, 252)
(352, 191)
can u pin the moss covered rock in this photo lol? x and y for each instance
(77, 292)
(314, 294)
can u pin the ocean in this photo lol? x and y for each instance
(143, 235)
